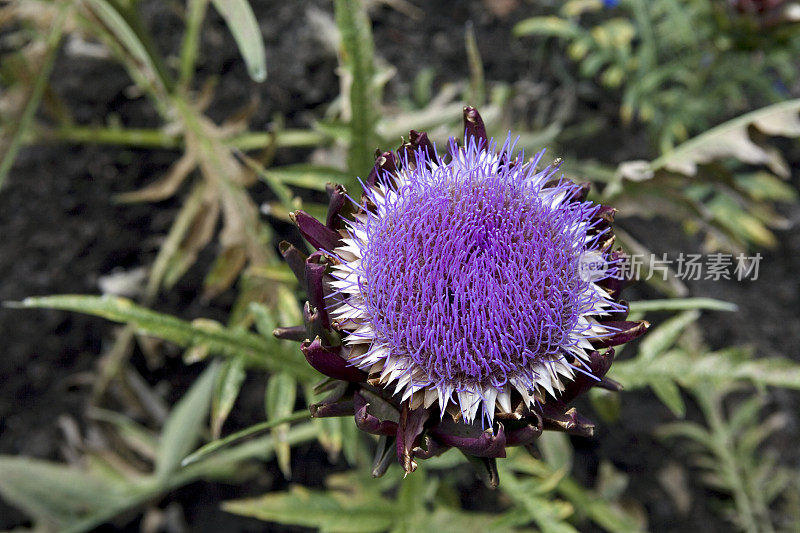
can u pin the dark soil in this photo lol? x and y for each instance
(60, 231)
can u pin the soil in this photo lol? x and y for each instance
(61, 230)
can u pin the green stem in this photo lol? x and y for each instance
(191, 39)
(357, 58)
(212, 447)
(153, 138)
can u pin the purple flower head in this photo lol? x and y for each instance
(475, 281)
(467, 278)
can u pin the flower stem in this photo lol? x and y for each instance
(155, 138)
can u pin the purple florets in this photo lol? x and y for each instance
(473, 270)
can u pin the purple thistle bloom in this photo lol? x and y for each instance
(466, 279)
(472, 281)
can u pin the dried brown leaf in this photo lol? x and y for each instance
(166, 186)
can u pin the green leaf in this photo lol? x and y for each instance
(244, 27)
(549, 514)
(664, 336)
(328, 511)
(184, 424)
(280, 399)
(607, 404)
(307, 175)
(556, 450)
(443, 519)
(548, 27)
(170, 252)
(765, 186)
(730, 139)
(135, 436)
(256, 350)
(670, 395)
(357, 56)
(55, 493)
(226, 390)
(725, 366)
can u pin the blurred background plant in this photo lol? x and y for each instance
(671, 108)
(679, 66)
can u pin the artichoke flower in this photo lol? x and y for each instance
(463, 302)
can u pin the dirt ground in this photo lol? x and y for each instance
(60, 231)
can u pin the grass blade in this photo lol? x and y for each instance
(183, 426)
(244, 27)
(216, 445)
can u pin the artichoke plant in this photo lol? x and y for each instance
(463, 301)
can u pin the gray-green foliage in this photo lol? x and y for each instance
(682, 65)
(81, 497)
(724, 183)
(729, 455)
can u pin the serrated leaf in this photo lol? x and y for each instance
(731, 139)
(226, 390)
(184, 424)
(689, 430)
(328, 511)
(725, 366)
(255, 349)
(294, 436)
(730, 215)
(243, 25)
(55, 493)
